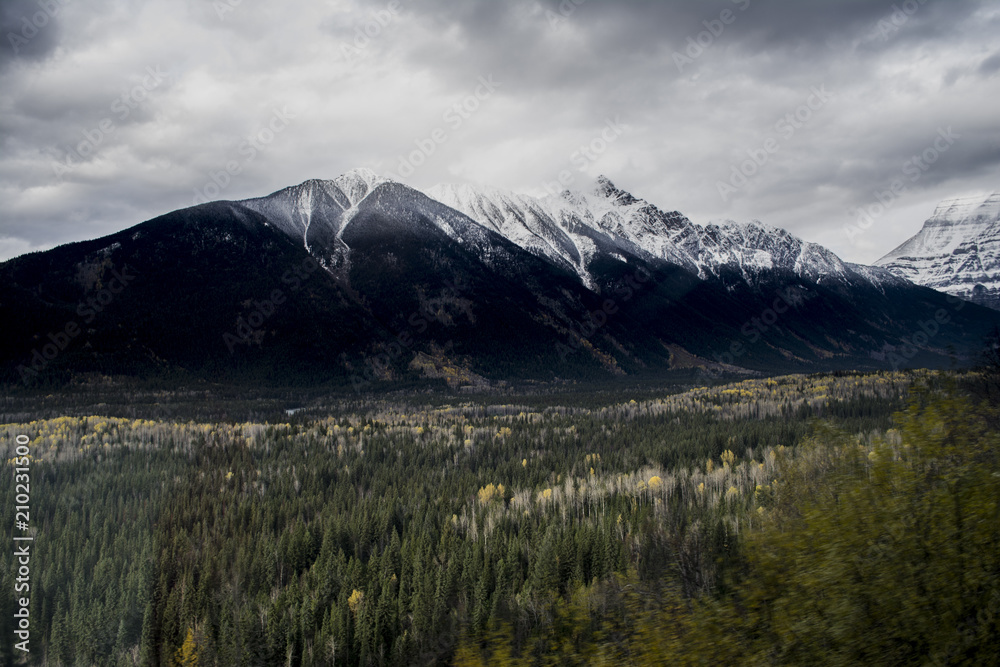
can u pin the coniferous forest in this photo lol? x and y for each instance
(841, 519)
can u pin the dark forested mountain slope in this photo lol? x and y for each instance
(360, 281)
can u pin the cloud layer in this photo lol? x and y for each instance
(798, 114)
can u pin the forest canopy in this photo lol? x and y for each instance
(835, 519)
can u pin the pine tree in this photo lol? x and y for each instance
(62, 645)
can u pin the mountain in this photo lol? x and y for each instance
(957, 251)
(574, 230)
(198, 289)
(577, 230)
(364, 282)
(749, 261)
(342, 281)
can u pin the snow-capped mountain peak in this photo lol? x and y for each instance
(575, 228)
(317, 211)
(357, 183)
(954, 221)
(969, 207)
(957, 250)
(603, 187)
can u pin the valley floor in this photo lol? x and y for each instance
(832, 519)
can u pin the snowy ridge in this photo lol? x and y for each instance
(580, 232)
(521, 219)
(575, 227)
(957, 251)
(316, 212)
(330, 203)
(572, 229)
(953, 222)
(962, 208)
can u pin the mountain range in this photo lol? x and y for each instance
(364, 282)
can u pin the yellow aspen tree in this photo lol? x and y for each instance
(187, 654)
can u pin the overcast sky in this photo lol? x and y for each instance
(115, 111)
